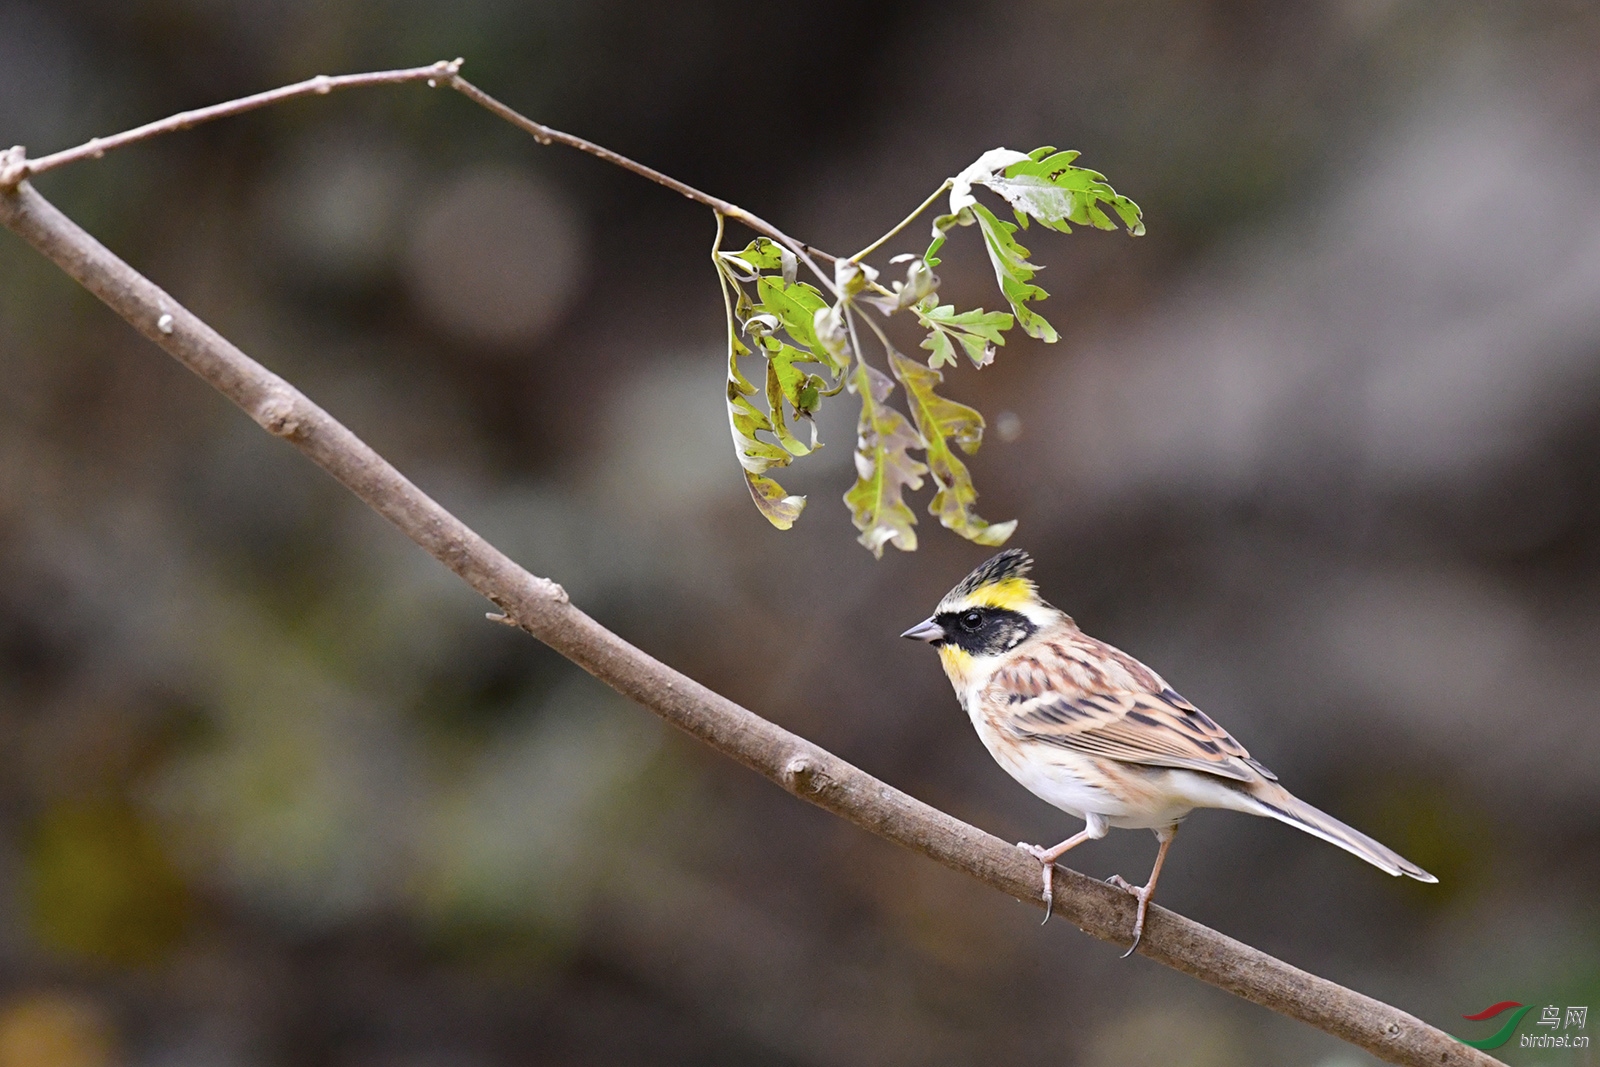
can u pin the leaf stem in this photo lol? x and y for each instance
(908, 220)
(883, 338)
(855, 342)
(722, 280)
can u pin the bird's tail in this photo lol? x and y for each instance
(1280, 804)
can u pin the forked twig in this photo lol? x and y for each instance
(16, 167)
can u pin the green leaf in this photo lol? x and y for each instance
(760, 254)
(884, 469)
(1047, 187)
(978, 332)
(795, 306)
(795, 384)
(1043, 185)
(1011, 267)
(787, 306)
(1014, 272)
(793, 326)
(755, 455)
(939, 420)
(776, 395)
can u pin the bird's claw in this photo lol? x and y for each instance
(1048, 866)
(1142, 894)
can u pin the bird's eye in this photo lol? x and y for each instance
(971, 621)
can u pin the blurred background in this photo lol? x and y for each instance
(1323, 448)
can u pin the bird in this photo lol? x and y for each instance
(1094, 732)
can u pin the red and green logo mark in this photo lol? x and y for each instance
(1558, 1025)
(1502, 1035)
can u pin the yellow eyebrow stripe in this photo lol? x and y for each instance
(1011, 594)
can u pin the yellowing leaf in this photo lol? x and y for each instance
(884, 469)
(780, 508)
(755, 455)
(777, 391)
(938, 420)
(791, 379)
(811, 345)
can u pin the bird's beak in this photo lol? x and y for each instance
(926, 630)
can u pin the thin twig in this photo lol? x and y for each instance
(540, 607)
(15, 166)
(321, 85)
(907, 221)
(546, 135)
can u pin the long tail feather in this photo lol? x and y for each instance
(1280, 804)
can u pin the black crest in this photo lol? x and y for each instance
(1012, 563)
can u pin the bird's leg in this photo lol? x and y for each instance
(1148, 890)
(1095, 828)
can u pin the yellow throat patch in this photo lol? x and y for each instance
(957, 663)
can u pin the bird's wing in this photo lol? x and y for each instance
(1147, 724)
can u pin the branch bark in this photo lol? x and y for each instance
(541, 607)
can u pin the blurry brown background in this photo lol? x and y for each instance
(1322, 448)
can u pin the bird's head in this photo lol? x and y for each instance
(989, 612)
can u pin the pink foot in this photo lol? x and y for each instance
(1048, 866)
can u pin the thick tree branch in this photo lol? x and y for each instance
(541, 607)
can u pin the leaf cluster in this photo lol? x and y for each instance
(809, 342)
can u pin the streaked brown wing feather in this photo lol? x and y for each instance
(1151, 725)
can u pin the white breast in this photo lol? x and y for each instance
(1060, 778)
